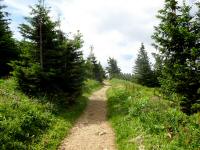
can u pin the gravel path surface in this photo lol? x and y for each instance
(92, 131)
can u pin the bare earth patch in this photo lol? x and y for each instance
(92, 131)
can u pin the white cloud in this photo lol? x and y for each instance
(115, 28)
(19, 7)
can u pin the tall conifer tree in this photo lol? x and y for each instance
(177, 40)
(142, 69)
(8, 48)
(61, 70)
(113, 69)
(94, 69)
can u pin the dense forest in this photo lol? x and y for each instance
(45, 76)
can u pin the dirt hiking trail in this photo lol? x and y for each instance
(92, 131)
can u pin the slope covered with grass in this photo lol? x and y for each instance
(142, 119)
(35, 123)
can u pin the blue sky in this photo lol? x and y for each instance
(115, 28)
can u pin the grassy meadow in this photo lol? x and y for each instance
(142, 119)
(35, 123)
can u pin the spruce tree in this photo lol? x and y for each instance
(99, 72)
(91, 64)
(157, 68)
(89, 69)
(8, 48)
(113, 69)
(177, 41)
(142, 70)
(39, 33)
(50, 63)
(94, 69)
(71, 75)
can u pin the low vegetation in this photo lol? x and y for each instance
(141, 118)
(36, 123)
(43, 88)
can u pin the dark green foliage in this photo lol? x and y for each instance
(70, 72)
(89, 69)
(157, 68)
(177, 39)
(113, 70)
(53, 64)
(126, 76)
(142, 70)
(94, 69)
(100, 72)
(29, 73)
(8, 48)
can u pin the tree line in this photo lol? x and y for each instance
(177, 38)
(46, 61)
(177, 61)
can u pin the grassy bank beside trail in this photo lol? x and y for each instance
(30, 123)
(143, 120)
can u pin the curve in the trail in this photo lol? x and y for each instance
(92, 131)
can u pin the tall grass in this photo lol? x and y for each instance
(30, 123)
(143, 120)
